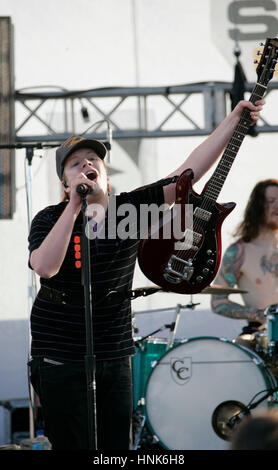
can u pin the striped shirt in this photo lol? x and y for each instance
(59, 331)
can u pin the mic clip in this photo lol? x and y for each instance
(236, 419)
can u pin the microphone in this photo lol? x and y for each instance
(83, 190)
(227, 416)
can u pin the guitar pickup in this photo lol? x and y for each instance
(202, 214)
(191, 239)
(191, 236)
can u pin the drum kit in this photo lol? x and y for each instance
(190, 394)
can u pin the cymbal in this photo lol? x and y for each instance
(213, 290)
(222, 290)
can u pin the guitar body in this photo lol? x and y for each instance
(196, 261)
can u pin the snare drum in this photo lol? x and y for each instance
(188, 384)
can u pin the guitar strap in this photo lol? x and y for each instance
(160, 183)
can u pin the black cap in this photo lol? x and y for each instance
(73, 143)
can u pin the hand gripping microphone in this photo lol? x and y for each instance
(84, 189)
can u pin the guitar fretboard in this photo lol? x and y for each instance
(220, 174)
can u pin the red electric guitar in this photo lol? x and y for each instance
(188, 264)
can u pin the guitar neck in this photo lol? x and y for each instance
(215, 184)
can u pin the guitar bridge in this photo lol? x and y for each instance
(173, 275)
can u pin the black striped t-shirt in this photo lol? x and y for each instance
(59, 331)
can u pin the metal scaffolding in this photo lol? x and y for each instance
(133, 112)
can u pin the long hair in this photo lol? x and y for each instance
(254, 215)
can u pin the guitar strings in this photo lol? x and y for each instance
(208, 202)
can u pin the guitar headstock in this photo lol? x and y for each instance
(266, 66)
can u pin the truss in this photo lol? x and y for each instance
(132, 113)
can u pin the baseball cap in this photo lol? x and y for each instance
(74, 143)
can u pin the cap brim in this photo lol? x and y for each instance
(63, 153)
(95, 145)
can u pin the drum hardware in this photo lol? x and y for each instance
(149, 350)
(192, 419)
(230, 413)
(266, 341)
(261, 342)
(241, 371)
(138, 423)
(144, 291)
(221, 290)
(179, 307)
(271, 314)
(142, 437)
(139, 342)
(172, 326)
(226, 416)
(215, 289)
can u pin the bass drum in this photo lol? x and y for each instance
(189, 383)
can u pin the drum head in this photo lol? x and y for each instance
(189, 383)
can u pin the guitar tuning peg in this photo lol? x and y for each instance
(259, 53)
(255, 62)
(262, 44)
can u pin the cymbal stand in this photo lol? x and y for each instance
(173, 330)
(172, 326)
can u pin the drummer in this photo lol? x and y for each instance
(251, 263)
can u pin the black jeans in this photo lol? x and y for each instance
(62, 390)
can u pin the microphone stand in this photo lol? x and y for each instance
(90, 361)
(32, 285)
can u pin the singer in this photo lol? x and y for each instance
(57, 319)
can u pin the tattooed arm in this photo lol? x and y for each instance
(228, 276)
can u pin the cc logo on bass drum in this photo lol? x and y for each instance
(181, 370)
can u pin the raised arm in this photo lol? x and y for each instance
(206, 154)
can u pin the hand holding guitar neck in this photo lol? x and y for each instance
(190, 264)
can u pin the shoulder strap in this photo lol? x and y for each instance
(159, 183)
